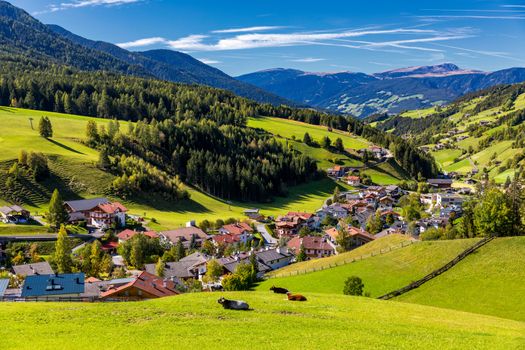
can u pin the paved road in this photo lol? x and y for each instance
(261, 228)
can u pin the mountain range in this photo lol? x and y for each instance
(393, 91)
(21, 34)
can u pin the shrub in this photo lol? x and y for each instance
(353, 286)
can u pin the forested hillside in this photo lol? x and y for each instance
(107, 95)
(481, 134)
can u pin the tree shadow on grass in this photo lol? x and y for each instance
(157, 202)
(64, 146)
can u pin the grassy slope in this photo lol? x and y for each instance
(196, 321)
(73, 162)
(289, 128)
(486, 282)
(381, 274)
(391, 241)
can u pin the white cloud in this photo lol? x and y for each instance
(142, 42)
(85, 3)
(247, 29)
(472, 17)
(208, 61)
(257, 40)
(514, 6)
(308, 60)
(483, 52)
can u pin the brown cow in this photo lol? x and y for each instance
(295, 297)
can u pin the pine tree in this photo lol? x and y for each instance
(62, 256)
(103, 159)
(339, 145)
(307, 139)
(92, 133)
(57, 212)
(45, 128)
(159, 268)
(180, 251)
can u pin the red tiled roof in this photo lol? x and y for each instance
(128, 234)
(332, 232)
(353, 178)
(109, 246)
(353, 231)
(309, 242)
(148, 283)
(304, 216)
(238, 228)
(112, 208)
(226, 239)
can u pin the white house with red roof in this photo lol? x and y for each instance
(238, 232)
(314, 246)
(98, 212)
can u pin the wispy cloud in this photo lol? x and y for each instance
(142, 42)
(85, 3)
(248, 29)
(472, 17)
(208, 61)
(497, 54)
(514, 6)
(308, 60)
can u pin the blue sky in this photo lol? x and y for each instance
(245, 36)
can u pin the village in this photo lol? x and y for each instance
(200, 257)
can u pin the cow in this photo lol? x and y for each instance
(295, 297)
(278, 290)
(233, 304)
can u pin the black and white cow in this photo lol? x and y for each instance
(233, 304)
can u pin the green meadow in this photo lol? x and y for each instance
(380, 274)
(197, 321)
(490, 281)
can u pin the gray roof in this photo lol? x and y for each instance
(41, 268)
(179, 269)
(93, 289)
(271, 255)
(4, 283)
(10, 209)
(231, 266)
(51, 285)
(440, 181)
(86, 204)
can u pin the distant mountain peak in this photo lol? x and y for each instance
(438, 70)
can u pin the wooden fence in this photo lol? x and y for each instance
(341, 262)
(437, 272)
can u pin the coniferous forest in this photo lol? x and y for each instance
(194, 132)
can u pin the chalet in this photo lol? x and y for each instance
(241, 229)
(393, 191)
(440, 183)
(14, 214)
(53, 286)
(34, 269)
(448, 199)
(93, 287)
(314, 246)
(97, 212)
(293, 221)
(144, 286)
(186, 235)
(358, 236)
(337, 211)
(230, 264)
(337, 171)
(379, 191)
(127, 234)
(353, 180)
(386, 203)
(191, 266)
(275, 258)
(254, 214)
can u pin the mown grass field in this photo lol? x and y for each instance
(490, 281)
(380, 274)
(76, 176)
(288, 128)
(197, 321)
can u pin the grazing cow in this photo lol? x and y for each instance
(233, 304)
(295, 297)
(278, 290)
